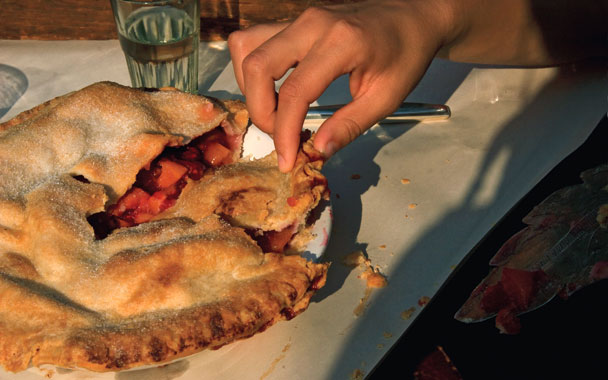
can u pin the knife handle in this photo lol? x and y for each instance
(406, 112)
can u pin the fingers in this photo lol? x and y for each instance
(377, 95)
(241, 43)
(254, 75)
(321, 45)
(321, 66)
(262, 66)
(255, 68)
(318, 62)
(351, 121)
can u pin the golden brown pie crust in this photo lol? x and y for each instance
(152, 293)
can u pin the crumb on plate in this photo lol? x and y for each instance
(357, 374)
(355, 258)
(407, 314)
(374, 279)
(423, 300)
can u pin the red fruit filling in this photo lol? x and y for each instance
(273, 241)
(158, 186)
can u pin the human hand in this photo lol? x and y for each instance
(384, 46)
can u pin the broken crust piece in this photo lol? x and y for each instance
(255, 195)
(147, 293)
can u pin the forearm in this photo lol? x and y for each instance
(525, 32)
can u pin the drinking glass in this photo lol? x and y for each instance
(160, 41)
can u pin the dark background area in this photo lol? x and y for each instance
(564, 339)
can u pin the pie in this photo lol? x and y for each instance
(133, 233)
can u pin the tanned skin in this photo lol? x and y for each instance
(385, 46)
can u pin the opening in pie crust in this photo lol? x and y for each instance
(159, 184)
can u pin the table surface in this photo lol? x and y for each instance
(510, 127)
(557, 341)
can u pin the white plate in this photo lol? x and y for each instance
(258, 144)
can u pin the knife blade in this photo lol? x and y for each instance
(406, 112)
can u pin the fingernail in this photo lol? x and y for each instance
(330, 148)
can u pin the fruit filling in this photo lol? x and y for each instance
(273, 241)
(158, 185)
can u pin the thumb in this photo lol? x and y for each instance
(349, 122)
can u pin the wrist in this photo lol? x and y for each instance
(443, 20)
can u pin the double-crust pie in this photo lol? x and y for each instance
(132, 233)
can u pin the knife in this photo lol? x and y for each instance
(406, 112)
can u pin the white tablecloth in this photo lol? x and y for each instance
(509, 127)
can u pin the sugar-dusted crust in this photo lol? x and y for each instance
(145, 294)
(255, 194)
(104, 132)
(207, 287)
